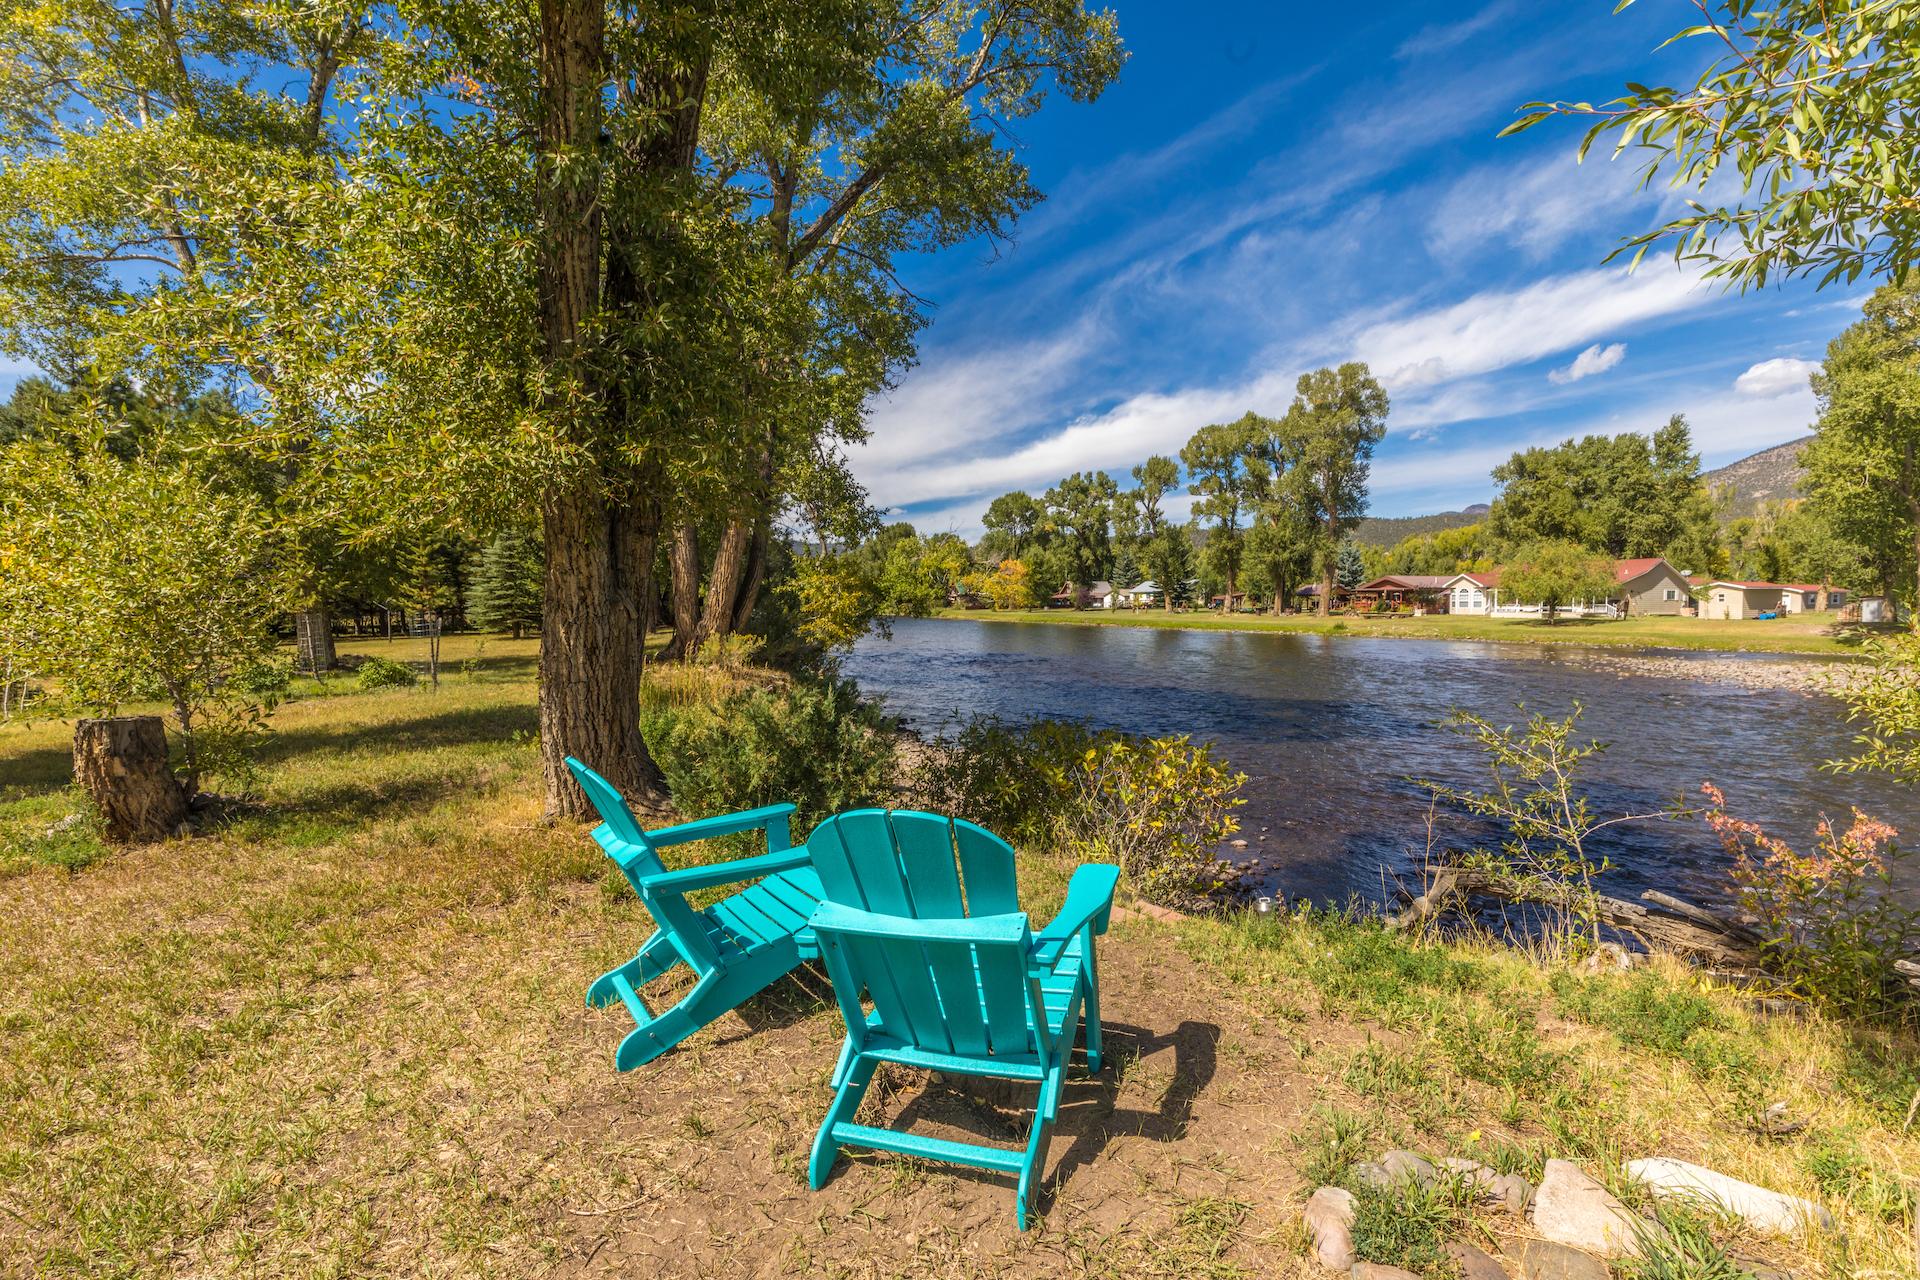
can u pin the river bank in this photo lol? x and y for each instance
(1809, 634)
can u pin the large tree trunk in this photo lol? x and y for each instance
(591, 647)
(723, 584)
(313, 640)
(756, 572)
(121, 763)
(683, 563)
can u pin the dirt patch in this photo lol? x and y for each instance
(1156, 1157)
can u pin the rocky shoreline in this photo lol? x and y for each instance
(1796, 675)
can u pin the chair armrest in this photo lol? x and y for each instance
(687, 879)
(727, 824)
(1089, 903)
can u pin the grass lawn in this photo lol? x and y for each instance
(1816, 634)
(344, 1036)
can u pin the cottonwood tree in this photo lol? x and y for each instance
(1137, 516)
(1811, 103)
(1080, 511)
(1863, 464)
(1216, 462)
(1337, 417)
(843, 176)
(1626, 495)
(1169, 562)
(1015, 523)
(135, 140)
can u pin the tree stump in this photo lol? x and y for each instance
(122, 763)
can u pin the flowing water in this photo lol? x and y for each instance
(1331, 729)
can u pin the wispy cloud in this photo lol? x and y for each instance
(1596, 359)
(1498, 328)
(1441, 36)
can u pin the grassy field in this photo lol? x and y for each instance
(343, 1036)
(1803, 634)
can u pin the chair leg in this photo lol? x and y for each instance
(1035, 1167)
(1091, 1011)
(654, 958)
(846, 1105)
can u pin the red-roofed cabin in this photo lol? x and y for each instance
(1422, 593)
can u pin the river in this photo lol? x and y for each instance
(1330, 730)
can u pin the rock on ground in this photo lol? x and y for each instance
(1474, 1262)
(1545, 1260)
(1380, 1271)
(1772, 1212)
(1571, 1208)
(1510, 1189)
(1329, 1216)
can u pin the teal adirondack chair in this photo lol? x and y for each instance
(958, 982)
(736, 948)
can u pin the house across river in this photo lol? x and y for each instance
(1644, 586)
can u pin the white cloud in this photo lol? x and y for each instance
(1780, 376)
(1595, 359)
(1535, 205)
(1439, 37)
(1495, 329)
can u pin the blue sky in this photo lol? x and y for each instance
(1272, 187)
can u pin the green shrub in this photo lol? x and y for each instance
(1160, 807)
(383, 673)
(1009, 778)
(814, 743)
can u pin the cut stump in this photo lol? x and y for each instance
(121, 761)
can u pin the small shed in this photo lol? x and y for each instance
(1735, 600)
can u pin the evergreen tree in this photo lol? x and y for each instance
(1349, 566)
(505, 593)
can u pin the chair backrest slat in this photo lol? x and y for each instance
(912, 973)
(621, 824)
(874, 861)
(986, 861)
(958, 981)
(925, 844)
(948, 986)
(1003, 990)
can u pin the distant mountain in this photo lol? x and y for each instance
(1384, 531)
(1768, 476)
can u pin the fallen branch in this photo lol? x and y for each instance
(1666, 923)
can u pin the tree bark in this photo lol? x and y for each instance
(756, 573)
(683, 561)
(591, 647)
(121, 762)
(723, 583)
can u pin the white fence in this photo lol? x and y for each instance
(1602, 610)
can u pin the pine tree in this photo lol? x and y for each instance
(506, 587)
(1349, 568)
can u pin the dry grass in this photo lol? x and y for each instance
(344, 1036)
